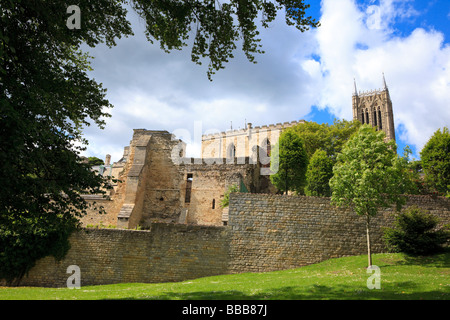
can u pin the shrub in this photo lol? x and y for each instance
(226, 198)
(415, 232)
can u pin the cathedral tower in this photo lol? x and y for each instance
(375, 107)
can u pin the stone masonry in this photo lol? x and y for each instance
(265, 233)
(273, 232)
(166, 252)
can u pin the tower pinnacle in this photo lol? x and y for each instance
(355, 92)
(384, 83)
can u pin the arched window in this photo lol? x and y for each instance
(266, 150)
(231, 151)
(362, 116)
(375, 117)
(267, 146)
(187, 197)
(380, 124)
(367, 116)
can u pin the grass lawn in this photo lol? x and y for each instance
(402, 277)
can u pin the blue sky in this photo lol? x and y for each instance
(432, 16)
(301, 75)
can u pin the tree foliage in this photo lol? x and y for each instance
(25, 238)
(318, 174)
(415, 232)
(225, 202)
(330, 138)
(369, 175)
(435, 160)
(216, 26)
(291, 160)
(47, 98)
(94, 161)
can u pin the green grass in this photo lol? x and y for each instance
(402, 277)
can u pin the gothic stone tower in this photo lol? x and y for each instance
(375, 107)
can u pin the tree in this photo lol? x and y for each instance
(318, 174)
(47, 98)
(314, 135)
(415, 232)
(338, 135)
(291, 160)
(368, 175)
(94, 161)
(435, 160)
(329, 138)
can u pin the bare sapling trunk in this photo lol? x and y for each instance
(369, 255)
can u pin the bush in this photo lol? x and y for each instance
(226, 197)
(415, 232)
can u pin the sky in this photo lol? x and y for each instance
(306, 76)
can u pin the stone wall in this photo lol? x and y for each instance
(209, 183)
(93, 217)
(166, 252)
(273, 232)
(265, 232)
(161, 187)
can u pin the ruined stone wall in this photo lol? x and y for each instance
(273, 232)
(127, 171)
(94, 218)
(154, 180)
(153, 185)
(163, 180)
(161, 187)
(209, 183)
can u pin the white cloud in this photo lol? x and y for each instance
(158, 91)
(382, 16)
(359, 43)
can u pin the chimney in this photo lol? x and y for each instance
(107, 160)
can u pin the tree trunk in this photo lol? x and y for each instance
(369, 255)
(286, 181)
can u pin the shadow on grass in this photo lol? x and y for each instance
(437, 261)
(314, 292)
(440, 260)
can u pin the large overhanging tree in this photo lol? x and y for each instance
(46, 98)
